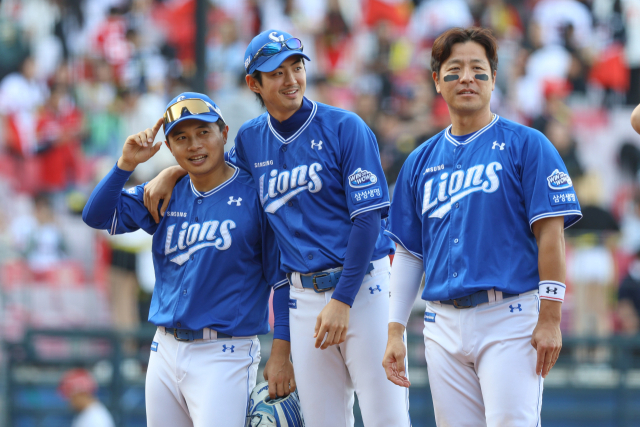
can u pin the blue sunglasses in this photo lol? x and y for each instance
(272, 48)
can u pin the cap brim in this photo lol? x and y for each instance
(209, 118)
(274, 61)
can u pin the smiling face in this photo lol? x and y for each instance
(466, 94)
(198, 146)
(283, 88)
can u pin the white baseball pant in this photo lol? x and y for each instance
(481, 363)
(326, 379)
(200, 383)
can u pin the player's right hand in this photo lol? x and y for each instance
(394, 357)
(160, 188)
(139, 148)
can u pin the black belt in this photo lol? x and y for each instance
(189, 335)
(323, 281)
(474, 299)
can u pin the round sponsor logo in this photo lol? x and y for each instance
(559, 180)
(362, 178)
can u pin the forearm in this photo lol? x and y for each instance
(281, 314)
(551, 267)
(98, 211)
(362, 241)
(406, 275)
(280, 349)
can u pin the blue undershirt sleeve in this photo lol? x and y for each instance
(362, 242)
(98, 211)
(281, 313)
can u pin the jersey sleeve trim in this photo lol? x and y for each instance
(369, 208)
(576, 216)
(398, 241)
(114, 222)
(281, 283)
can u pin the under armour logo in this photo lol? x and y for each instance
(276, 38)
(225, 348)
(372, 289)
(554, 290)
(236, 201)
(180, 98)
(313, 144)
(495, 144)
(519, 307)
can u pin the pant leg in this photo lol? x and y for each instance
(324, 384)
(219, 377)
(455, 388)
(506, 361)
(382, 403)
(164, 402)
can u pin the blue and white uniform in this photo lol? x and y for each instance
(316, 173)
(216, 261)
(464, 206)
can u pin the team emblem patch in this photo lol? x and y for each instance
(430, 317)
(559, 180)
(362, 178)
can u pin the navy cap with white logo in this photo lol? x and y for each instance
(269, 49)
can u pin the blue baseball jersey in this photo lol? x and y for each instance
(314, 182)
(214, 254)
(465, 205)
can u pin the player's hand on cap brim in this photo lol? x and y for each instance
(139, 148)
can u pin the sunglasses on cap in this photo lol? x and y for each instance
(272, 48)
(193, 105)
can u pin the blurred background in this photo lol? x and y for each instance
(78, 76)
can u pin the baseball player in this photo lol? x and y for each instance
(480, 210)
(320, 182)
(79, 387)
(215, 260)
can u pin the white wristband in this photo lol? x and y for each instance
(551, 290)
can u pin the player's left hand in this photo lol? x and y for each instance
(279, 370)
(547, 340)
(333, 321)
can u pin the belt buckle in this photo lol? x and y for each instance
(457, 305)
(315, 284)
(175, 335)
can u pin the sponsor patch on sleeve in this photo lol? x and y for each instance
(293, 303)
(562, 198)
(362, 196)
(362, 178)
(154, 346)
(430, 317)
(559, 180)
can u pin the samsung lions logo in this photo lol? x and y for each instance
(284, 185)
(559, 180)
(452, 188)
(362, 178)
(195, 236)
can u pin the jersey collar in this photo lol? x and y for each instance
(470, 137)
(219, 187)
(273, 124)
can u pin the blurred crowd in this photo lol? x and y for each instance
(78, 76)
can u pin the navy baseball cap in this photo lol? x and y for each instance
(269, 63)
(190, 106)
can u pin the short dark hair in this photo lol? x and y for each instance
(258, 76)
(441, 50)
